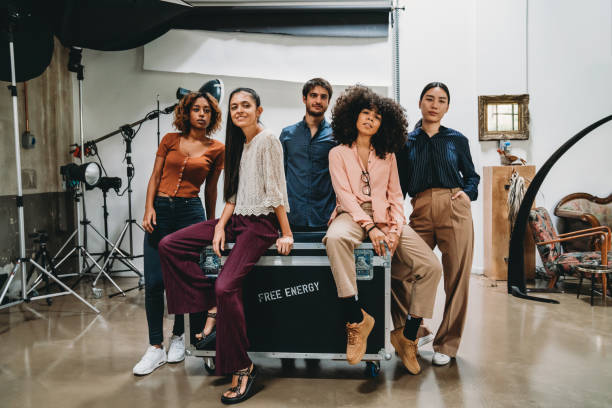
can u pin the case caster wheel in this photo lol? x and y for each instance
(97, 292)
(372, 369)
(141, 281)
(288, 364)
(49, 301)
(209, 364)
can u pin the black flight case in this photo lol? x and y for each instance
(291, 304)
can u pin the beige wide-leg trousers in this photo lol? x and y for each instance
(448, 224)
(417, 264)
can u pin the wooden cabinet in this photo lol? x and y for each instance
(496, 225)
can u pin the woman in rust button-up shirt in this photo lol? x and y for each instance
(184, 162)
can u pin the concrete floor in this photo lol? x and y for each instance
(514, 353)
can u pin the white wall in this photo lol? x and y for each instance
(501, 62)
(438, 43)
(570, 81)
(559, 51)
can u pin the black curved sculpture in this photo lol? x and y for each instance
(516, 261)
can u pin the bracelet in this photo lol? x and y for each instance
(371, 228)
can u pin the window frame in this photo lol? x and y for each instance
(523, 117)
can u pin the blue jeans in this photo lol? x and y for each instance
(172, 214)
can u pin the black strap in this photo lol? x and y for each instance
(371, 228)
(241, 374)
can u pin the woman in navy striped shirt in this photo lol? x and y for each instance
(436, 169)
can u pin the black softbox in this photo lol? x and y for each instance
(105, 25)
(32, 36)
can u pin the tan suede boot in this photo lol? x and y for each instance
(407, 350)
(357, 338)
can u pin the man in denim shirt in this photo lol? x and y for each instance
(306, 146)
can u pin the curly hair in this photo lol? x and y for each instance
(183, 108)
(391, 135)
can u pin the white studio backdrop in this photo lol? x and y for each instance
(344, 61)
(118, 90)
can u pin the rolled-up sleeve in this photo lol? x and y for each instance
(395, 198)
(344, 195)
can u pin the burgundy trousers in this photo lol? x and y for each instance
(189, 291)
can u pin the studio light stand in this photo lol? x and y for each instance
(21, 264)
(81, 249)
(115, 253)
(128, 134)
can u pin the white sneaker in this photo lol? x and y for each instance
(426, 340)
(154, 357)
(176, 351)
(440, 359)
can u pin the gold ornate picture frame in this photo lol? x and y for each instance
(511, 116)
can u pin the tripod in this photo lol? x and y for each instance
(23, 260)
(81, 248)
(42, 256)
(128, 135)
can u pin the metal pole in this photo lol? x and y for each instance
(158, 119)
(82, 234)
(130, 175)
(395, 51)
(105, 209)
(22, 253)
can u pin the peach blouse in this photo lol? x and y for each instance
(386, 197)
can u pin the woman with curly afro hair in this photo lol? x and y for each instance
(363, 169)
(184, 161)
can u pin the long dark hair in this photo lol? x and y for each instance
(234, 144)
(391, 135)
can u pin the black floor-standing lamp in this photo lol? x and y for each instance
(516, 260)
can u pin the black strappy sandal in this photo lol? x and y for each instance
(204, 341)
(248, 391)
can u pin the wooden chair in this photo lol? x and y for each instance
(578, 211)
(555, 260)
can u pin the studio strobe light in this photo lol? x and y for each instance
(107, 183)
(88, 173)
(214, 87)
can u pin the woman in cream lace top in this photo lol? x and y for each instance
(261, 182)
(256, 208)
